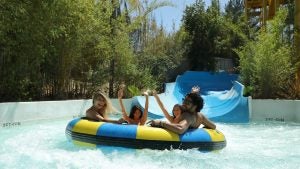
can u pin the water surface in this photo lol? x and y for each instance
(254, 145)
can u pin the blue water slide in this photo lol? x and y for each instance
(222, 94)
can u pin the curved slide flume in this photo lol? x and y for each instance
(222, 94)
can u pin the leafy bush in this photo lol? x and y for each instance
(266, 63)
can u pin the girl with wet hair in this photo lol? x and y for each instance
(176, 112)
(136, 116)
(100, 109)
(191, 117)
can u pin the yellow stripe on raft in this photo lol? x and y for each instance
(215, 135)
(87, 127)
(84, 144)
(152, 133)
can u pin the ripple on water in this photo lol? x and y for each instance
(253, 145)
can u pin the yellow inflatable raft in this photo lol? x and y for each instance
(133, 136)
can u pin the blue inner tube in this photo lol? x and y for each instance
(90, 133)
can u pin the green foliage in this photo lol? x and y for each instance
(134, 91)
(234, 10)
(266, 62)
(62, 49)
(200, 28)
(210, 35)
(46, 45)
(248, 90)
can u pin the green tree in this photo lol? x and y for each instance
(123, 26)
(22, 49)
(266, 62)
(297, 35)
(211, 34)
(163, 54)
(234, 9)
(43, 43)
(201, 30)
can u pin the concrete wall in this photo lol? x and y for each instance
(18, 113)
(275, 110)
(298, 112)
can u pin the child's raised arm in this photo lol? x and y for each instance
(162, 107)
(120, 96)
(145, 113)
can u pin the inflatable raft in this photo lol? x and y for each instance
(83, 131)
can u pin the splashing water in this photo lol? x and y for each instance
(253, 145)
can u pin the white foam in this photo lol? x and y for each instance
(253, 145)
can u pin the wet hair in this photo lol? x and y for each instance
(133, 109)
(197, 100)
(108, 105)
(98, 96)
(180, 107)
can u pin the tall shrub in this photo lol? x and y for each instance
(266, 62)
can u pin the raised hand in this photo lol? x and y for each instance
(146, 93)
(122, 86)
(120, 93)
(154, 92)
(195, 89)
(154, 123)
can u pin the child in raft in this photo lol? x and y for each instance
(136, 116)
(176, 112)
(100, 108)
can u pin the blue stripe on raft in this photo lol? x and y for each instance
(117, 130)
(195, 135)
(72, 124)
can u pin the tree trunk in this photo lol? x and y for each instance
(297, 35)
(112, 61)
(112, 78)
